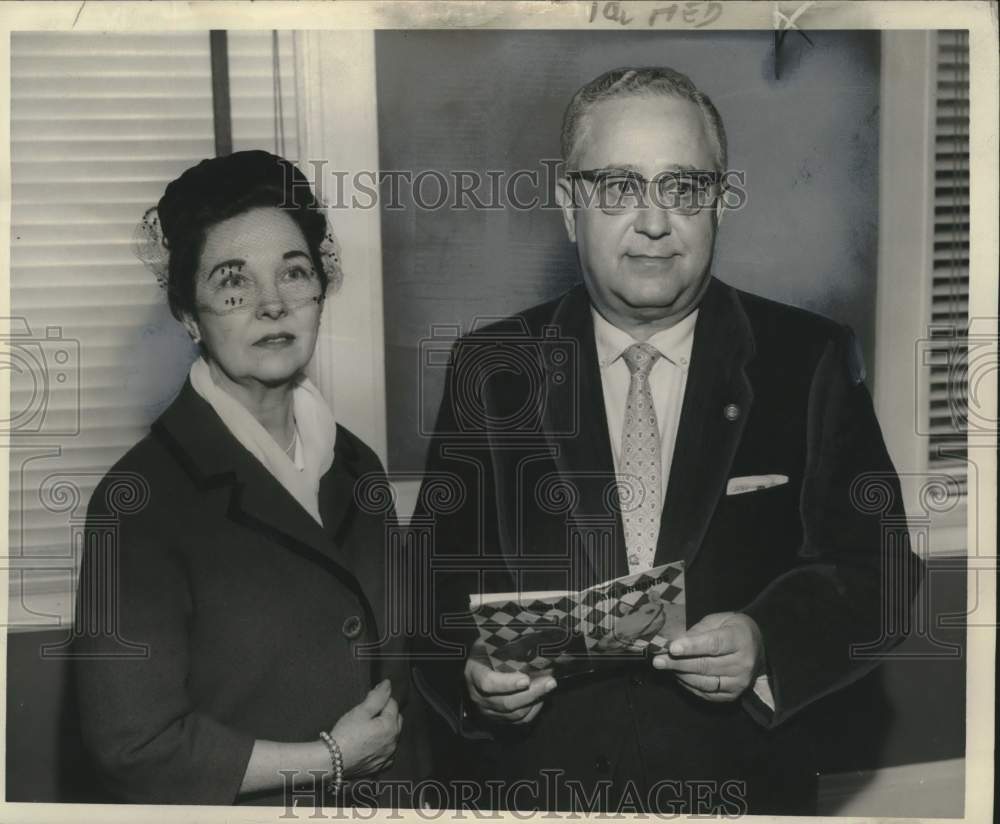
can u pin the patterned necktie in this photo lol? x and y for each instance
(640, 461)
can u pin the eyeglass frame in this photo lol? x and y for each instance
(596, 175)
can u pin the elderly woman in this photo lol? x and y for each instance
(219, 639)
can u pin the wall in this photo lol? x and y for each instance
(481, 100)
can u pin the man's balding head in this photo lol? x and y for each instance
(645, 81)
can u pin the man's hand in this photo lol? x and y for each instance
(510, 697)
(718, 658)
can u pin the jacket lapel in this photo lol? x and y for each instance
(262, 501)
(577, 429)
(210, 453)
(716, 405)
(337, 487)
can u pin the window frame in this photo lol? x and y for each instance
(338, 127)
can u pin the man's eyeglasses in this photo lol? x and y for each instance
(615, 191)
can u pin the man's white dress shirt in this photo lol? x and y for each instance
(667, 383)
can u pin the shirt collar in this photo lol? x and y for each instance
(674, 344)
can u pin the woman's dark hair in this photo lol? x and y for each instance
(220, 188)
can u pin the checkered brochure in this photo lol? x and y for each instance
(563, 633)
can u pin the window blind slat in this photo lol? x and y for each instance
(83, 129)
(120, 107)
(137, 192)
(32, 87)
(180, 63)
(138, 44)
(68, 172)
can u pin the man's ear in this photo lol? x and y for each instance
(191, 324)
(720, 210)
(564, 197)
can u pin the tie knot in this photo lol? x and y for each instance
(640, 358)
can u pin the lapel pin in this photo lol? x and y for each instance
(731, 412)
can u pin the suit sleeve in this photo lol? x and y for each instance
(462, 530)
(149, 743)
(827, 621)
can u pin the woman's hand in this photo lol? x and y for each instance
(367, 733)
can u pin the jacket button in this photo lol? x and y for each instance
(352, 628)
(602, 765)
(731, 412)
(636, 680)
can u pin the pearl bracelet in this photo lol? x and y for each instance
(336, 762)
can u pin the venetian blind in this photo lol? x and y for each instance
(100, 123)
(950, 277)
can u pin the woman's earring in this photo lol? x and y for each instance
(191, 327)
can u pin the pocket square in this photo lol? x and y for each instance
(753, 483)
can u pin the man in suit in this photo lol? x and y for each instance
(746, 435)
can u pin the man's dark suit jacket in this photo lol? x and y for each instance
(821, 563)
(250, 612)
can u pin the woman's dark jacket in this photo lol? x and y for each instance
(213, 610)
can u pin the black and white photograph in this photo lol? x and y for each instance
(495, 409)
